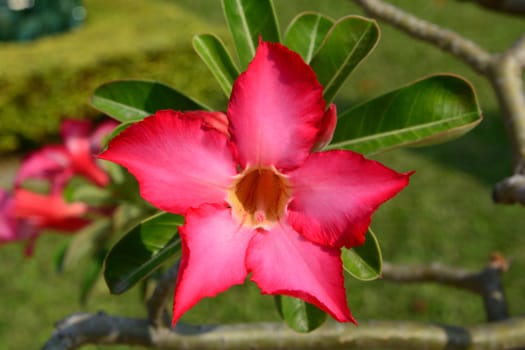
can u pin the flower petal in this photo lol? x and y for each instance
(98, 137)
(49, 211)
(50, 163)
(326, 131)
(216, 120)
(283, 262)
(78, 142)
(72, 128)
(178, 162)
(275, 109)
(83, 161)
(213, 254)
(335, 194)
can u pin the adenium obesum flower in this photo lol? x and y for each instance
(257, 199)
(58, 163)
(24, 214)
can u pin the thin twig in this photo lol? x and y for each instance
(99, 328)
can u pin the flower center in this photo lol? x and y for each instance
(259, 196)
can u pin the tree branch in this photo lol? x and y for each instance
(518, 50)
(504, 72)
(510, 190)
(81, 329)
(506, 79)
(514, 7)
(486, 282)
(465, 49)
(435, 272)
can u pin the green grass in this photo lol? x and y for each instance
(445, 215)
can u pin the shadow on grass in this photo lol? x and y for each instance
(484, 152)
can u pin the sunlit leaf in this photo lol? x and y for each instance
(363, 262)
(429, 111)
(248, 21)
(298, 314)
(306, 33)
(141, 251)
(347, 43)
(132, 100)
(218, 60)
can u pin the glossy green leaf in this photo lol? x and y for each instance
(349, 41)
(429, 111)
(363, 262)
(299, 315)
(132, 100)
(141, 251)
(248, 20)
(306, 33)
(212, 51)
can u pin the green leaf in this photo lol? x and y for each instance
(298, 314)
(58, 258)
(248, 20)
(92, 273)
(429, 111)
(115, 132)
(85, 243)
(141, 251)
(306, 33)
(363, 262)
(212, 51)
(130, 214)
(132, 100)
(91, 194)
(349, 41)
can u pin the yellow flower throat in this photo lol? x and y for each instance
(259, 196)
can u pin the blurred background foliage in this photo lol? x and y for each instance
(24, 20)
(445, 215)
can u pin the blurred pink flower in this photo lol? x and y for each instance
(58, 163)
(257, 197)
(25, 214)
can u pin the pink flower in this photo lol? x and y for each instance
(58, 163)
(25, 214)
(49, 211)
(257, 200)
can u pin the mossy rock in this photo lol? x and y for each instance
(50, 79)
